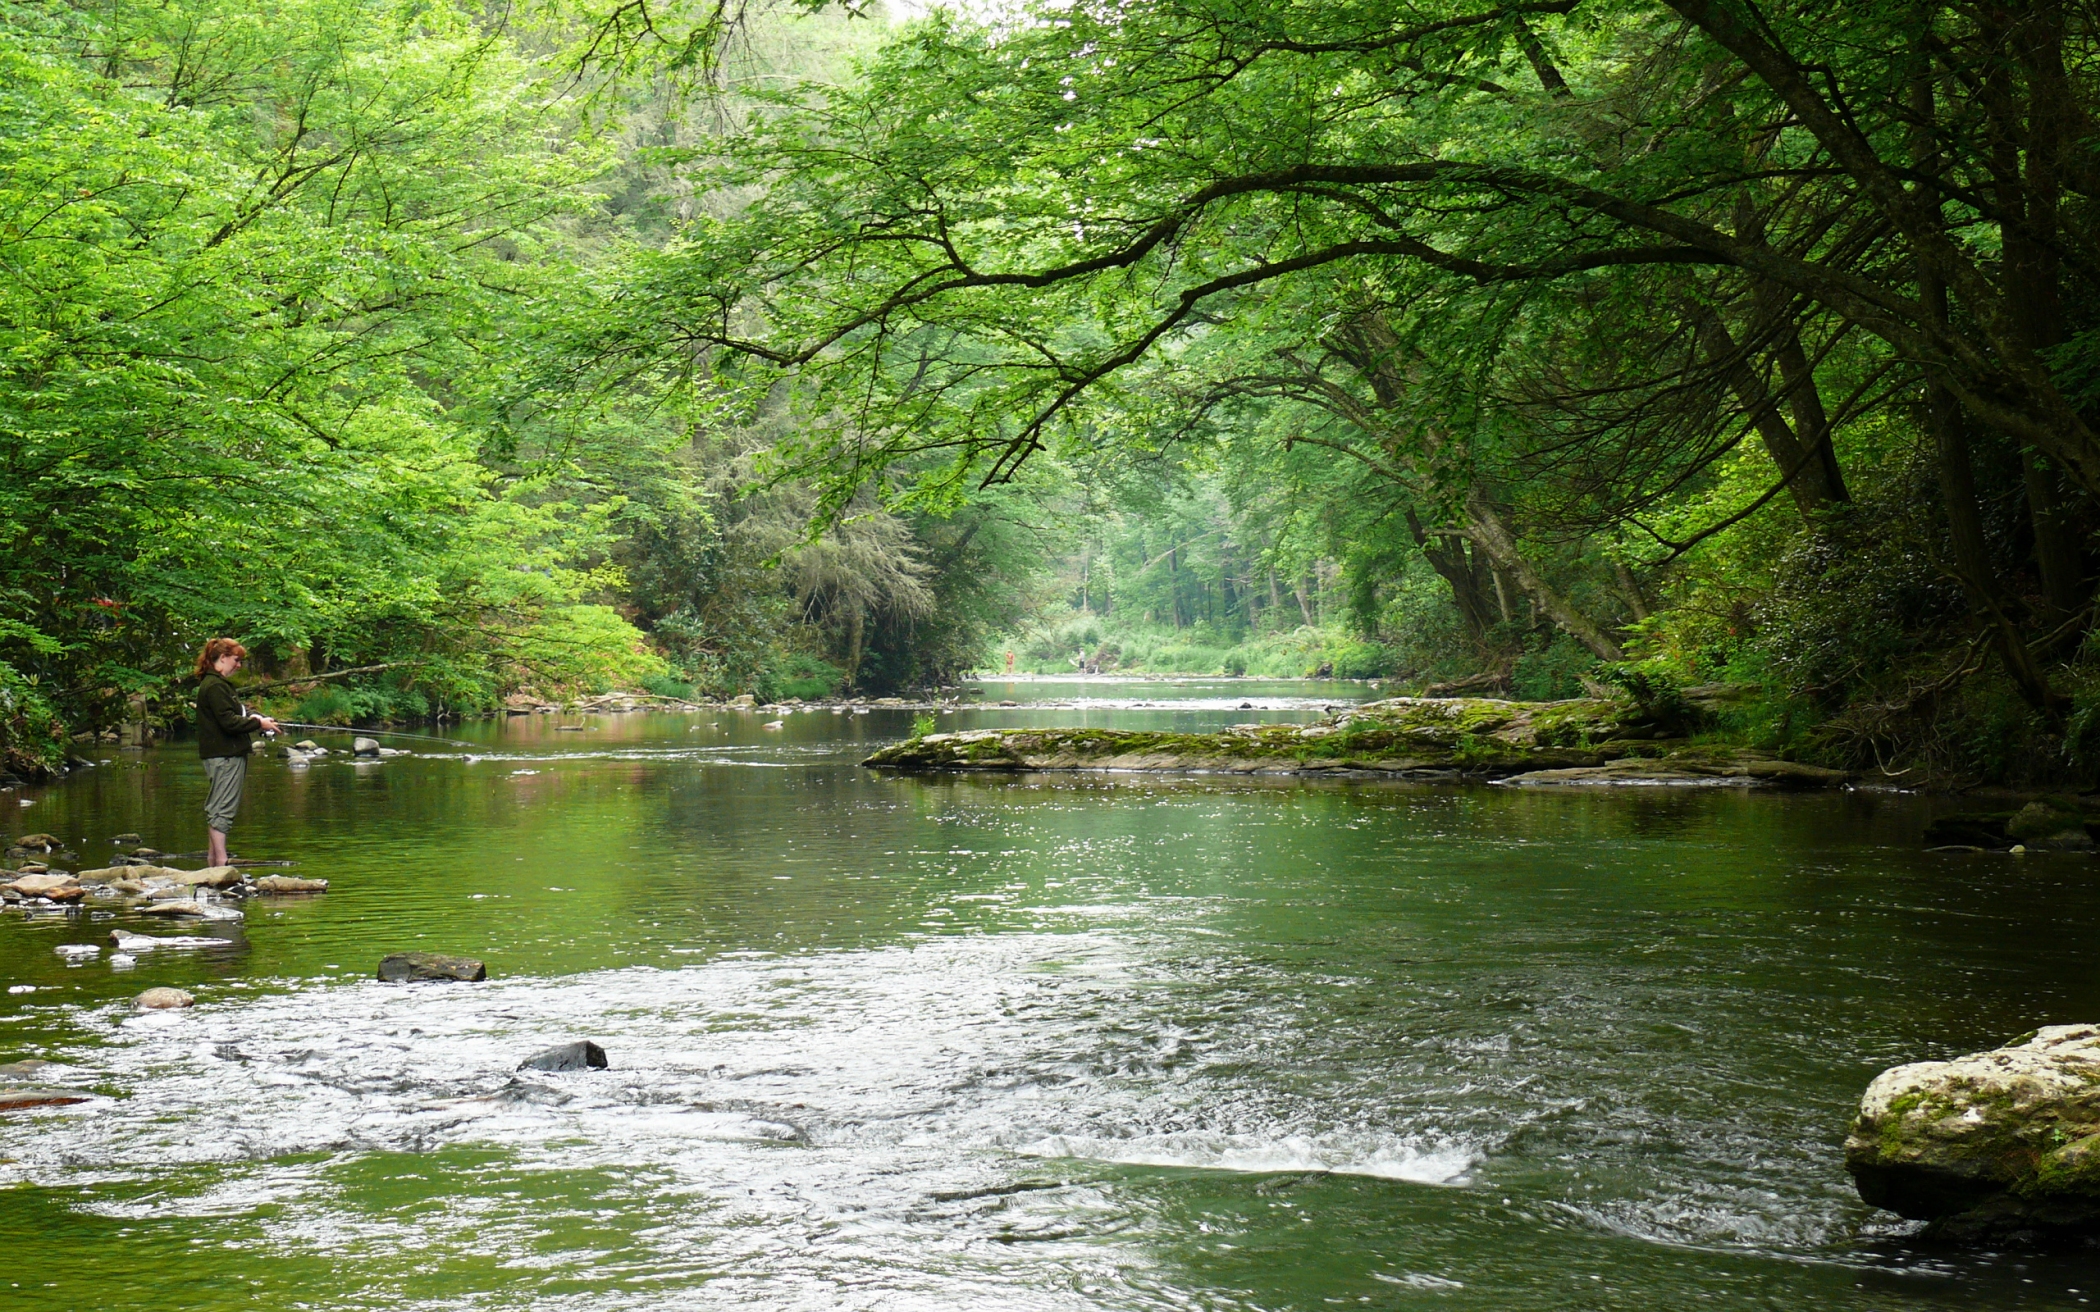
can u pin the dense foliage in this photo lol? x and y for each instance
(1720, 341)
(279, 284)
(1542, 345)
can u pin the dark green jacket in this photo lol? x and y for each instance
(221, 728)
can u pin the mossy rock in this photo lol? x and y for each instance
(1476, 737)
(2051, 822)
(1993, 1145)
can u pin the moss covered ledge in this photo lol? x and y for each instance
(1584, 741)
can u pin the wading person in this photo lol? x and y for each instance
(223, 726)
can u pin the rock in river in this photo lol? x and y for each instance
(163, 1000)
(1994, 1145)
(410, 967)
(209, 877)
(1403, 737)
(290, 884)
(59, 888)
(128, 942)
(17, 1100)
(365, 747)
(200, 910)
(578, 1056)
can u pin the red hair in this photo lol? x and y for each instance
(213, 651)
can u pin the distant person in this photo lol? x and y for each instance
(1009, 662)
(223, 726)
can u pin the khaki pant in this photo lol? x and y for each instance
(227, 774)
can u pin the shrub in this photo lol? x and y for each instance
(32, 739)
(1552, 674)
(799, 674)
(1360, 660)
(665, 685)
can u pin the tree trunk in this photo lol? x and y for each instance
(1805, 469)
(1484, 525)
(1957, 475)
(2026, 147)
(1630, 588)
(1447, 555)
(856, 627)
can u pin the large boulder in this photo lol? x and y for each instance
(365, 746)
(1995, 1145)
(415, 967)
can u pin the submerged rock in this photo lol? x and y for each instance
(1475, 737)
(1996, 1145)
(163, 1000)
(290, 884)
(16, 1100)
(197, 910)
(2050, 823)
(581, 1055)
(413, 967)
(128, 942)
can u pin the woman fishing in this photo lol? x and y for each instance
(223, 726)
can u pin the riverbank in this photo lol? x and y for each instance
(1583, 741)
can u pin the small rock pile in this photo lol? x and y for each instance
(136, 882)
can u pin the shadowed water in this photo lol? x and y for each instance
(1033, 1042)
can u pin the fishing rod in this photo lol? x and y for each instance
(373, 733)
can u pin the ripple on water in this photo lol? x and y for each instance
(879, 1096)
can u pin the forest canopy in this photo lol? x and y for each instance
(1548, 346)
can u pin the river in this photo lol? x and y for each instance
(1038, 1042)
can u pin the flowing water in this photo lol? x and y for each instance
(1038, 1042)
